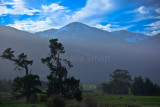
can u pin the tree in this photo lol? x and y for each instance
(27, 84)
(108, 88)
(138, 86)
(21, 61)
(119, 84)
(59, 83)
(72, 88)
(156, 90)
(146, 88)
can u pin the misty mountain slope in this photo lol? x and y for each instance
(12, 32)
(129, 36)
(93, 58)
(21, 41)
(81, 31)
(95, 62)
(46, 33)
(152, 42)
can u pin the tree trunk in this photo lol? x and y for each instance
(58, 62)
(28, 98)
(26, 68)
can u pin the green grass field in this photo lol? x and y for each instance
(103, 100)
(22, 105)
(127, 100)
(115, 100)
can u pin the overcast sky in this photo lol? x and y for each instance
(141, 16)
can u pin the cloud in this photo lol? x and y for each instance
(93, 13)
(140, 18)
(140, 10)
(50, 16)
(155, 32)
(57, 15)
(154, 27)
(33, 26)
(18, 8)
(53, 7)
(111, 28)
(157, 10)
(142, 13)
(92, 7)
(158, 17)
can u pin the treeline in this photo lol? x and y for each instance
(144, 87)
(121, 83)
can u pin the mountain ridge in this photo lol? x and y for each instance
(91, 33)
(77, 30)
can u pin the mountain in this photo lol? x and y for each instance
(129, 36)
(75, 30)
(152, 42)
(46, 33)
(94, 56)
(81, 31)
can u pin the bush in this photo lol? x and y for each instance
(33, 98)
(43, 98)
(91, 102)
(55, 101)
(134, 106)
(78, 95)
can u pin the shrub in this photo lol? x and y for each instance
(43, 98)
(78, 95)
(134, 106)
(55, 101)
(91, 102)
(33, 98)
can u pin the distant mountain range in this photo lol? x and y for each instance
(95, 53)
(80, 31)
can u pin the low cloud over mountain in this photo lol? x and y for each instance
(95, 53)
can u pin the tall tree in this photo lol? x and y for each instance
(156, 90)
(120, 82)
(26, 85)
(59, 83)
(144, 87)
(148, 87)
(138, 86)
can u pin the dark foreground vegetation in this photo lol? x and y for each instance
(94, 99)
(64, 91)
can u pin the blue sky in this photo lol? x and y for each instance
(140, 16)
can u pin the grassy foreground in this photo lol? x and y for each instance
(128, 100)
(102, 100)
(21, 105)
